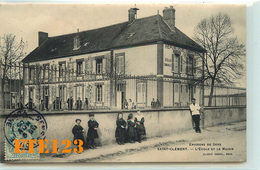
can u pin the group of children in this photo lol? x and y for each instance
(92, 134)
(131, 130)
(135, 130)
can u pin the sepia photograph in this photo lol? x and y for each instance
(123, 83)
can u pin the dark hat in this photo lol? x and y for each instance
(77, 120)
(193, 98)
(130, 116)
(91, 114)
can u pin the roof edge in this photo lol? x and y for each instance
(120, 47)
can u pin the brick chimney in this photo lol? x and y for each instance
(132, 14)
(169, 16)
(42, 36)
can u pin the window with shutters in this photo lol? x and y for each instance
(99, 66)
(120, 63)
(79, 69)
(99, 93)
(176, 63)
(62, 69)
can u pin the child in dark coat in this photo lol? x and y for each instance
(120, 129)
(131, 131)
(92, 131)
(78, 132)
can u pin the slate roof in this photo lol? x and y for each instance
(142, 31)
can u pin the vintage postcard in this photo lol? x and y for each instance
(123, 83)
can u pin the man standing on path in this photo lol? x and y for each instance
(195, 113)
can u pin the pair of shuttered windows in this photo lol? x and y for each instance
(178, 64)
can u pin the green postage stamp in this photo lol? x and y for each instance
(20, 126)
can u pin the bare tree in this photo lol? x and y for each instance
(11, 51)
(223, 59)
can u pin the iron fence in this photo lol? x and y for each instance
(50, 88)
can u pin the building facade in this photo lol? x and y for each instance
(141, 59)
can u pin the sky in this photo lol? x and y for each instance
(25, 20)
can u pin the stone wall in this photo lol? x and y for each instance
(157, 122)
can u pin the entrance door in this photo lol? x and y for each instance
(120, 95)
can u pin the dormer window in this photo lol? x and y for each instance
(76, 43)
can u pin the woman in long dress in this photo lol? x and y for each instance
(92, 131)
(140, 128)
(131, 131)
(120, 129)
